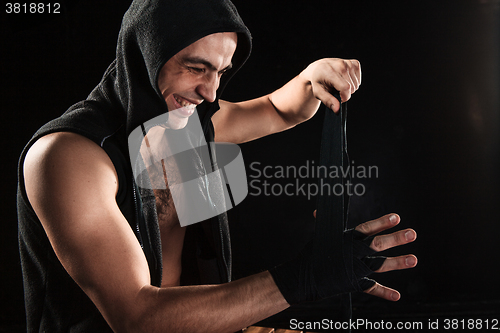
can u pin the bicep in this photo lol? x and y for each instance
(71, 184)
(248, 120)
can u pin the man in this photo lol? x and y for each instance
(100, 253)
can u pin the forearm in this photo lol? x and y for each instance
(295, 101)
(292, 104)
(213, 308)
(286, 107)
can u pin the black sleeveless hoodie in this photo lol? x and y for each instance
(127, 96)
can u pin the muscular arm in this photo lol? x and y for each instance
(295, 102)
(71, 184)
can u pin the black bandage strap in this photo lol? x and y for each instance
(331, 213)
(336, 261)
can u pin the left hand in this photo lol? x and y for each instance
(328, 75)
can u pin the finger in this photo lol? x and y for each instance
(351, 76)
(375, 226)
(345, 94)
(397, 263)
(383, 292)
(345, 80)
(322, 92)
(314, 213)
(345, 86)
(384, 242)
(355, 72)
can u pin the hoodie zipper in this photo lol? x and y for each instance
(144, 242)
(226, 265)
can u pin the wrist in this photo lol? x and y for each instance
(307, 75)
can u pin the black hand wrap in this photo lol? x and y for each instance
(336, 261)
(305, 279)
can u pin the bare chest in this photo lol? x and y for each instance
(172, 238)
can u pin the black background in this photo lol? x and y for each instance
(427, 115)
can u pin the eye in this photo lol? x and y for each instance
(197, 70)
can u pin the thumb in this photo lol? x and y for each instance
(332, 101)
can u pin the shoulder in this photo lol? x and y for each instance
(62, 149)
(65, 150)
(61, 168)
(60, 144)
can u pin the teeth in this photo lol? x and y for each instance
(184, 103)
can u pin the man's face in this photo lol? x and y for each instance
(193, 75)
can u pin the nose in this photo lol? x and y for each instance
(208, 87)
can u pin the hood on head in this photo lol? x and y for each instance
(154, 31)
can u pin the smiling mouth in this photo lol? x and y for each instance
(184, 103)
(183, 108)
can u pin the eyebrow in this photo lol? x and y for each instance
(204, 62)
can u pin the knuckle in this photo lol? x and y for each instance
(364, 228)
(341, 66)
(356, 64)
(377, 244)
(344, 69)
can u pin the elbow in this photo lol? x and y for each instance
(138, 315)
(287, 119)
